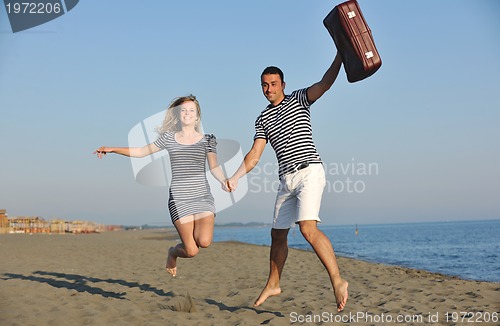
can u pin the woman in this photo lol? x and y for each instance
(191, 204)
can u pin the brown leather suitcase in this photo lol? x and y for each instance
(354, 41)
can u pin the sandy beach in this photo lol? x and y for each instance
(118, 278)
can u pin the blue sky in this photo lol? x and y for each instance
(428, 120)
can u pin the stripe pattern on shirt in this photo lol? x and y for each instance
(287, 127)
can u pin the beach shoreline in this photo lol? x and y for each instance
(118, 278)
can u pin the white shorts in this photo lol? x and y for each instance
(299, 196)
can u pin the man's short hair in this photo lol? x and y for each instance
(271, 70)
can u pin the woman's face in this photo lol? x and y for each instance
(188, 114)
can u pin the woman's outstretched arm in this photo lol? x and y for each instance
(128, 151)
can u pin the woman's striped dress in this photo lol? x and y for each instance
(189, 190)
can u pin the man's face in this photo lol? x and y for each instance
(273, 88)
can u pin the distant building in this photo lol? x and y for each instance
(36, 224)
(59, 226)
(29, 224)
(4, 221)
(83, 227)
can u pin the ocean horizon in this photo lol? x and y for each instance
(466, 249)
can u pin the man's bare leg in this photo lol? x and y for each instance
(278, 255)
(324, 250)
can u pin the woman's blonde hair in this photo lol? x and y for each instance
(171, 122)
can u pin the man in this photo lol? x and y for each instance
(286, 125)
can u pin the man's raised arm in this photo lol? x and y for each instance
(318, 89)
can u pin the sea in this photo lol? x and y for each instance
(466, 249)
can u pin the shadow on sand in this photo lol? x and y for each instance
(223, 307)
(80, 283)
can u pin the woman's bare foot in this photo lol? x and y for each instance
(266, 293)
(171, 262)
(341, 295)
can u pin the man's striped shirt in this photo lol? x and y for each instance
(287, 127)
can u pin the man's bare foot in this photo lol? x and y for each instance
(341, 295)
(266, 293)
(171, 262)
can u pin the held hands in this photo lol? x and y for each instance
(224, 186)
(230, 184)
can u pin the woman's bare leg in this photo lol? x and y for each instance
(187, 248)
(203, 232)
(195, 231)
